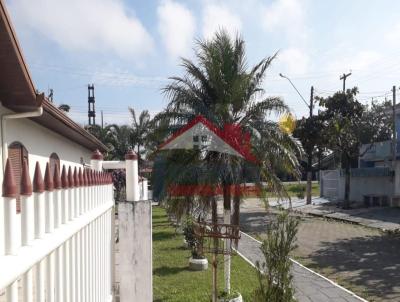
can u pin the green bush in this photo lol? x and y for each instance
(191, 239)
(275, 279)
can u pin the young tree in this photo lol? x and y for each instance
(275, 279)
(220, 87)
(310, 132)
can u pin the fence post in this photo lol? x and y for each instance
(78, 254)
(71, 194)
(58, 276)
(96, 160)
(57, 197)
(76, 193)
(64, 195)
(27, 227)
(65, 249)
(10, 224)
(135, 239)
(38, 189)
(71, 242)
(132, 176)
(81, 192)
(49, 188)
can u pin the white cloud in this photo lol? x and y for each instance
(361, 61)
(90, 25)
(176, 25)
(295, 61)
(216, 17)
(288, 16)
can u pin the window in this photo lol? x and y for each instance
(54, 161)
(17, 153)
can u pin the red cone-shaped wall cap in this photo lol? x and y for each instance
(48, 180)
(26, 183)
(80, 175)
(71, 181)
(9, 185)
(76, 178)
(64, 178)
(130, 155)
(56, 177)
(90, 177)
(96, 155)
(85, 179)
(38, 183)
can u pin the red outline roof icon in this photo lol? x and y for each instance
(237, 142)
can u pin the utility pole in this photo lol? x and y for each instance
(309, 156)
(344, 77)
(91, 108)
(102, 125)
(394, 136)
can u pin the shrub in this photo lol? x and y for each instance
(275, 279)
(191, 239)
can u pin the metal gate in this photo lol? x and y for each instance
(330, 184)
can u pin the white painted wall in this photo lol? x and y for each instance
(360, 186)
(40, 143)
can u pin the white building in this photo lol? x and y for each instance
(31, 126)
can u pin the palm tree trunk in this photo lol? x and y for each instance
(309, 177)
(214, 218)
(227, 220)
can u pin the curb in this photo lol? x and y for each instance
(346, 221)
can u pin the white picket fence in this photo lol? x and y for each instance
(65, 250)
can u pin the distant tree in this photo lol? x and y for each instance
(122, 139)
(310, 132)
(119, 139)
(140, 128)
(64, 107)
(349, 124)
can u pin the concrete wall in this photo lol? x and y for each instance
(135, 251)
(360, 186)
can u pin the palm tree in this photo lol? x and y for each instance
(220, 87)
(140, 128)
(119, 139)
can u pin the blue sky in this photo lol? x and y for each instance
(128, 49)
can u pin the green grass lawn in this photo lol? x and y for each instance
(173, 281)
(294, 188)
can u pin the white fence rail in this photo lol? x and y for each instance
(65, 251)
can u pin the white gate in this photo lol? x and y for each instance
(329, 183)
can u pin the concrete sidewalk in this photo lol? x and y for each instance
(382, 218)
(309, 286)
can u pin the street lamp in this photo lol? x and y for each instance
(309, 156)
(298, 92)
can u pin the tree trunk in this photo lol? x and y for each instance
(346, 203)
(227, 242)
(236, 208)
(309, 177)
(214, 219)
